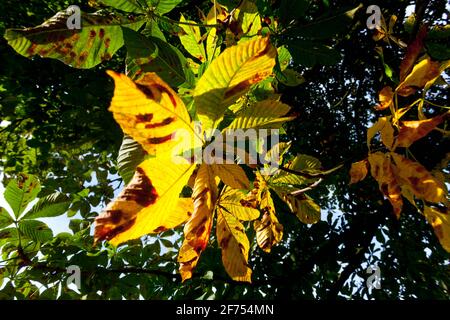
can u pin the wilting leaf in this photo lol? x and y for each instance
(424, 185)
(268, 230)
(149, 203)
(358, 171)
(152, 114)
(423, 72)
(98, 39)
(235, 246)
(303, 207)
(198, 227)
(385, 97)
(232, 175)
(440, 221)
(234, 202)
(383, 172)
(191, 40)
(266, 114)
(21, 191)
(412, 53)
(411, 131)
(230, 76)
(53, 205)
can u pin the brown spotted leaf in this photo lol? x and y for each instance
(237, 203)
(421, 182)
(151, 113)
(383, 172)
(306, 210)
(230, 75)
(268, 230)
(235, 246)
(150, 203)
(411, 131)
(385, 97)
(198, 227)
(423, 72)
(412, 53)
(98, 39)
(358, 171)
(440, 221)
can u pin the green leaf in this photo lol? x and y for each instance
(308, 53)
(438, 51)
(53, 205)
(131, 154)
(325, 27)
(124, 5)
(152, 29)
(20, 192)
(191, 40)
(150, 54)
(5, 218)
(35, 230)
(291, 78)
(292, 9)
(163, 6)
(98, 39)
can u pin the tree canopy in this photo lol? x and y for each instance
(90, 115)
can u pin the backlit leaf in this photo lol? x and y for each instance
(230, 76)
(53, 205)
(422, 183)
(423, 72)
(98, 39)
(385, 97)
(358, 171)
(21, 191)
(131, 154)
(303, 207)
(5, 218)
(149, 203)
(124, 5)
(268, 230)
(191, 40)
(412, 53)
(235, 246)
(440, 221)
(234, 202)
(411, 131)
(232, 175)
(151, 113)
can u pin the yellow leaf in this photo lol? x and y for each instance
(383, 172)
(230, 76)
(236, 202)
(232, 175)
(421, 182)
(423, 72)
(268, 230)
(148, 204)
(151, 113)
(235, 246)
(358, 171)
(197, 229)
(304, 207)
(191, 40)
(187, 258)
(411, 131)
(440, 221)
(266, 114)
(218, 13)
(387, 134)
(385, 97)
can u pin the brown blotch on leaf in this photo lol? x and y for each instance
(106, 56)
(92, 34)
(101, 33)
(147, 117)
(159, 140)
(107, 42)
(140, 190)
(146, 90)
(165, 122)
(171, 96)
(83, 56)
(160, 229)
